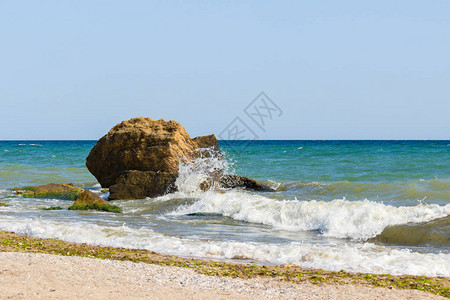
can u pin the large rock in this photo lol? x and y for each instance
(141, 144)
(140, 158)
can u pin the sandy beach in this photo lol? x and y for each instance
(44, 276)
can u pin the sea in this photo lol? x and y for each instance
(360, 206)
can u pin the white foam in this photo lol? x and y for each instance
(358, 220)
(354, 258)
(192, 174)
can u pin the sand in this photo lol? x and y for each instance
(44, 276)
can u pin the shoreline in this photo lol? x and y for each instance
(292, 274)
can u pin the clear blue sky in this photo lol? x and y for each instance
(338, 69)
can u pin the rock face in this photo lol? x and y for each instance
(90, 201)
(140, 158)
(140, 184)
(141, 144)
(207, 141)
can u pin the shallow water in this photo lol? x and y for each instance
(379, 206)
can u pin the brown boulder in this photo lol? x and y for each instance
(207, 141)
(140, 184)
(141, 144)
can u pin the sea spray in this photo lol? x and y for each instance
(203, 172)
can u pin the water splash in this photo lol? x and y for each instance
(203, 172)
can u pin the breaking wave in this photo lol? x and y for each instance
(357, 220)
(360, 257)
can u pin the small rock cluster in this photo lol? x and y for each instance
(84, 199)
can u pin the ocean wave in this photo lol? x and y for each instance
(364, 257)
(357, 220)
(433, 233)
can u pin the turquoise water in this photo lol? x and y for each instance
(368, 206)
(39, 162)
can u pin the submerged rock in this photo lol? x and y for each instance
(90, 201)
(53, 190)
(52, 208)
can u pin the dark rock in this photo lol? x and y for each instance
(234, 181)
(141, 184)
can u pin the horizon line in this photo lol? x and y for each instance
(93, 140)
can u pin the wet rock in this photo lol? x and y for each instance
(90, 201)
(52, 190)
(52, 208)
(234, 181)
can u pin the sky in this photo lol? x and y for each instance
(335, 69)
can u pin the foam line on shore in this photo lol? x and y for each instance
(360, 257)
